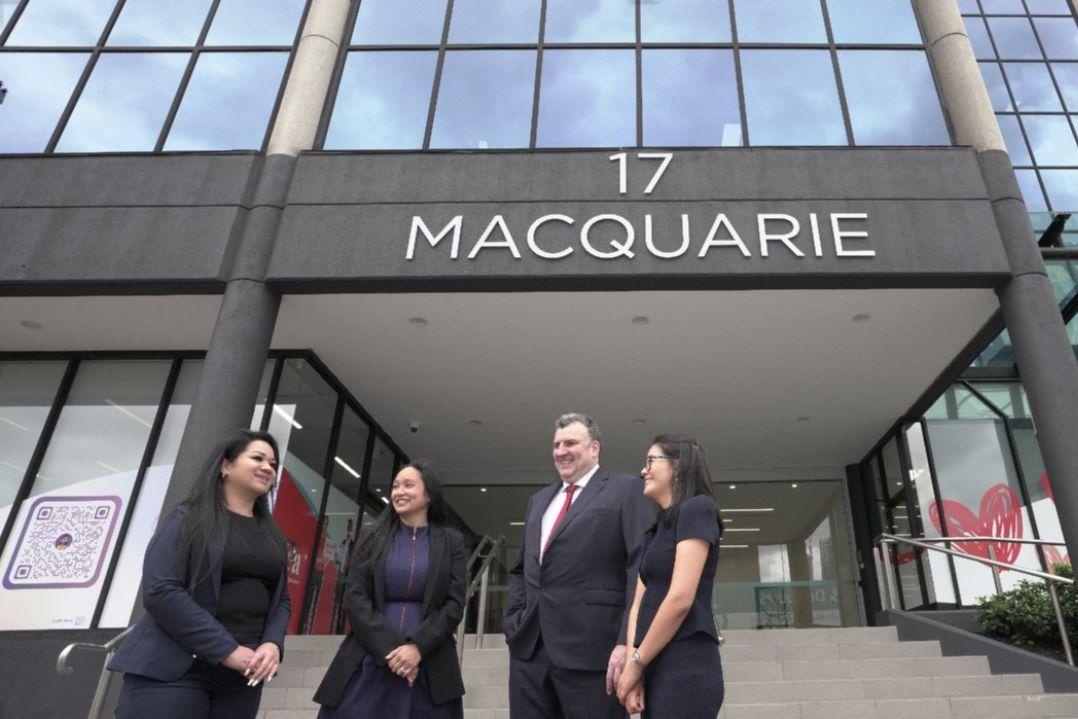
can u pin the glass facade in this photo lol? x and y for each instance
(139, 76)
(480, 74)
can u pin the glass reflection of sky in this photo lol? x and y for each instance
(485, 99)
(690, 98)
(383, 101)
(1067, 77)
(1031, 190)
(1012, 136)
(779, 21)
(587, 99)
(38, 85)
(61, 22)
(1051, 138)
(228, 101)
(494, 21)
(791, 98)
(1048, 7)
(1060, 37)
(590, 21)
(1014, 38)
(255, 22)
(968, 6)
(1003, 7)
(685, 21)
(997, 89)
(877, 21)
(125, 103)
(399, 22)
(978, 38)
(1062, 188)
(1032, 86)
(152, 22)
(905, 110)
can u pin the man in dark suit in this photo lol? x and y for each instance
(571, 586)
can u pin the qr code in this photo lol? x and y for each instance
(63, 542)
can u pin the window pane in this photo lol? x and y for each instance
(791, 98)
(1067, 76)
(978, 37)
(1003, 7)
(151, 22)
(1062, 187)
(690, 98)
(1032, 86)
(903, 111)
(494, 21)
(255, 22)
(1014, 38)
(80, 494)
(27, 390)
(997, 89)
(61, 22)
(1060, 37)
(1031, 190)
(685, 21)
(1048, 7)
(590, 21)
(399, 22)
(883, 21)
(125, 103)
(228, 101)
(383, 101)
(38, 87)
(1012, 136)
(485, 99)
(587, 99)
(779, 21)
(1051, 138)
(968, 7)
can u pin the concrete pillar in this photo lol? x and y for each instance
(1042, 350)
(241, 338)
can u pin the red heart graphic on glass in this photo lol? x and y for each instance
(1000, 516)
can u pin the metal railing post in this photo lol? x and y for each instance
(881, 575)
(481, 611)
(1062, 624)
(101, 690)
(995, 570)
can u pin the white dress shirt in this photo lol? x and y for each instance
(555, 505)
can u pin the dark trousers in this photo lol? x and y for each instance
(204, 692)
(540, 690)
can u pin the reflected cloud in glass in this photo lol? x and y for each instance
(1031, 190)
(968, 7)
(997, 89)
(1062, 188)
(1003, 7)
(61, 22)
(1012, 136)
(152, 22)
(685, 21)
(1014, 38)
(125, 103)
(1067, 77)
(399, 22)
(485, 99)
(587, 99)
(38, 85)
(1060, 37)
(903, 111)
(255, 22)
(494, 21)
(1032, 86)
(1048, 7)
(383, 101)
(690, 98)
(228, 101)
(1051, 138)
(791, 98)
(878, 21)
(978, 38)
(590, 21)
(779, 21)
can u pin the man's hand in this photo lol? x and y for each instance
(615, 667)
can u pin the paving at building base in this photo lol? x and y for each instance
(849, 673)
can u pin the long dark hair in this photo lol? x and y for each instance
(376, 539)
(205, 523)
(691, 475)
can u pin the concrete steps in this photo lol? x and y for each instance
(849, 673)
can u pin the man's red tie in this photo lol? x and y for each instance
(561, 515)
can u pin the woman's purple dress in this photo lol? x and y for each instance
(375, 692)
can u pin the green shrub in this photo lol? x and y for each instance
(1025, 618)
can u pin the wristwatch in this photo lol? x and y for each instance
(636, 659)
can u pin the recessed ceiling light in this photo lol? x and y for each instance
(516, 524)
(482, 489)
(733, 486)
(735, 546)
(641, 320)
(863, 317)
(30, 324)
(378, 489)
(794, 485)
(418, 321)
(743, 529)
(749, 509)
(475, 422)
(384, 500)
(802, 419)
(640, 420)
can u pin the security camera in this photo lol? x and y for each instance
(413, 427)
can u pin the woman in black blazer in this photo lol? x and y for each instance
(404, 597)
(215, 594)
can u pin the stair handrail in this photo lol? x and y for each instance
(480, 582)
(63, 668)
(995, 565)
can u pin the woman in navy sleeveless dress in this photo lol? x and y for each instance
(674, 670)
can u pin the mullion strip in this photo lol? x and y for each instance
(437, 76)
(844, 108)
(538, 75)
(739, 79)
(186, 79)
(638, 52)
(6, 30)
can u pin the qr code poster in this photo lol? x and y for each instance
(63, 543)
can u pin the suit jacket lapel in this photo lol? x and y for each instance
(378, 570)
(437, 549)
(590, 491)
(535, 521)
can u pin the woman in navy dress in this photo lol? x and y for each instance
(404, 597)
(674, 671)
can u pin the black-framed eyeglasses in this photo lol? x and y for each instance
(652, 457)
